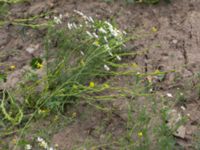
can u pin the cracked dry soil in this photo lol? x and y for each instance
(175, 46)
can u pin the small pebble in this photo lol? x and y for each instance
(175, 41)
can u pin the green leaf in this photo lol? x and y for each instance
(2, 77)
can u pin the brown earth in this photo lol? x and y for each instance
(175, 46)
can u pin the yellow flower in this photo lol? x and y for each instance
(75, 87)
(12, 67)
(96, 43)
(157, 72)
(149, 78)
(43, 111)
(140, 134)
(134, 65)
(74, 115)
(82, 63)
(14, 141)
(39, 65)
(55, 118)
(154, 29)
(91, 85)
(106, 85)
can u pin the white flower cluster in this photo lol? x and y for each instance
(104, 34)
(58, 20)
(72, 26)
(106, 67)
(169, 95)
(113, 31)
(42, 143)
(28, 147)
(90, 19)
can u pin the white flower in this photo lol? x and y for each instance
(43, 144)
(82, 53)
(74, 25)
(123, 45)
(179, 117)
(46, 17)
(95, 35)
(169, 95)
(60, 16)
(124, 32)
(119, 58)
(50, 148)
(86, 22)
(90, 19)
(69, 25)
(57, 20)
(183, 108)
(102, 30)
(106, 68)
(108, 23)
(151, 90)
(107, 47)
(81, 14)
(39, 139)
(115, 32)
(105, 38)
(88, 33)
(110, 53)
(28, 147)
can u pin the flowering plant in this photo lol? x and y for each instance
(78, 53)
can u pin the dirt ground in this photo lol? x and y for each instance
(175, 46)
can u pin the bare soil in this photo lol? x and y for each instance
(175, 46)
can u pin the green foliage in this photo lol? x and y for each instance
(78, 59)
(166, 140)
(12, 112)
(3, 9)
(2, 77)
(78, 55)
(12, 1)
(87, 49)
(36, 63)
